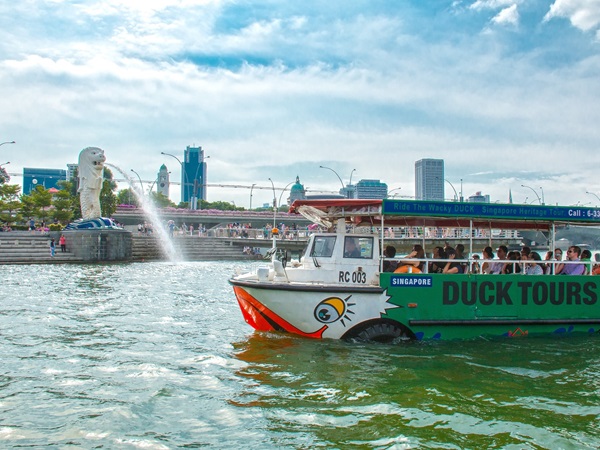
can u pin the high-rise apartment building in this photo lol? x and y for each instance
(429, 179)
(193, 176)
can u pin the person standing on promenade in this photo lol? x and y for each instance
(52, 247)
(63, 243)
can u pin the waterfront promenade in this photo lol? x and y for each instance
(24, 247)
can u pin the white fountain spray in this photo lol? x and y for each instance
(151, 213)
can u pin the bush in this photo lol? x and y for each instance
(55, 227)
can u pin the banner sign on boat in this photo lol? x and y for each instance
(491, 211)
(411, 281)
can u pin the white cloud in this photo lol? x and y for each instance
(583, 14)
(493, 4)
(508, 16)
(298, 89)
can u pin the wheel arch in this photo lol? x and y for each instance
(381, 330)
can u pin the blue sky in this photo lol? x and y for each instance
(505, 91)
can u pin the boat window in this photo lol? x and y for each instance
(323, 246)
(358, 247)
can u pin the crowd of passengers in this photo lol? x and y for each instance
(451, 260)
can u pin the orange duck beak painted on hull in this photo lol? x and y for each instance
(262, 318)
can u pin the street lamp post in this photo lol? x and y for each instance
(281, 195)
(336, 174)
(184, 177)
(139, 178)
(201, 184)
(534, 191)
(274, 204)
(543, 201)
(7, 162)
(455, 193)
(591, 193)
(395, 189)
(7, 142)
(353, 170)
(251, 189)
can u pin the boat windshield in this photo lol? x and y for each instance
(323, 246)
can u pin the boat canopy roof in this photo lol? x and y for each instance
(365, 212)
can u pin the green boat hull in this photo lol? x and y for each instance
(437, 306)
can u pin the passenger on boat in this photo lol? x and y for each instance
(497, 266)
(389, 252)
(488, 254)
(418, 254)
(437, 266)
(452, 266)
(475, 266)
(532, 267)
(586, 259)
(571, 269)
(512, 267)
(460, 255)
(547, 266)
(351, 250)
(525, 252)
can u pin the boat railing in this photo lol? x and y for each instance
(475, 265)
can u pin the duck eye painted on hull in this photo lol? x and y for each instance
(331, 310)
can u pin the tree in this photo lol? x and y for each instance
(160, 200)
(28, 208)
(4, 176)
(42, 199)
(127, 197)
(9, 203)
(108, 199)
(63, 203)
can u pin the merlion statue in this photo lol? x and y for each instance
(91, 174)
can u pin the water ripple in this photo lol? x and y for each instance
(158, 356)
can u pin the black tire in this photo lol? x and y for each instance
(379, 331)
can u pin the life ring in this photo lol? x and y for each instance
(407, 269)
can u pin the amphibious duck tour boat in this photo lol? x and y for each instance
(338, 288)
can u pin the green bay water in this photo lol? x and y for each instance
(157, 356)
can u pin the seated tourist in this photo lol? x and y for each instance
(419, 254)
(475, 265)
(389, 252)
(460, 255)
(510, 266)
(533, 267)
(558, 256)
(437, 266)
(452, 266)
(497, 266)
(571, 269)
(488, 255)
(586, 259)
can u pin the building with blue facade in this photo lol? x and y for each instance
(48, 178)
(193, 176)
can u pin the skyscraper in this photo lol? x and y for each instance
(193, 176)
(429, 179)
